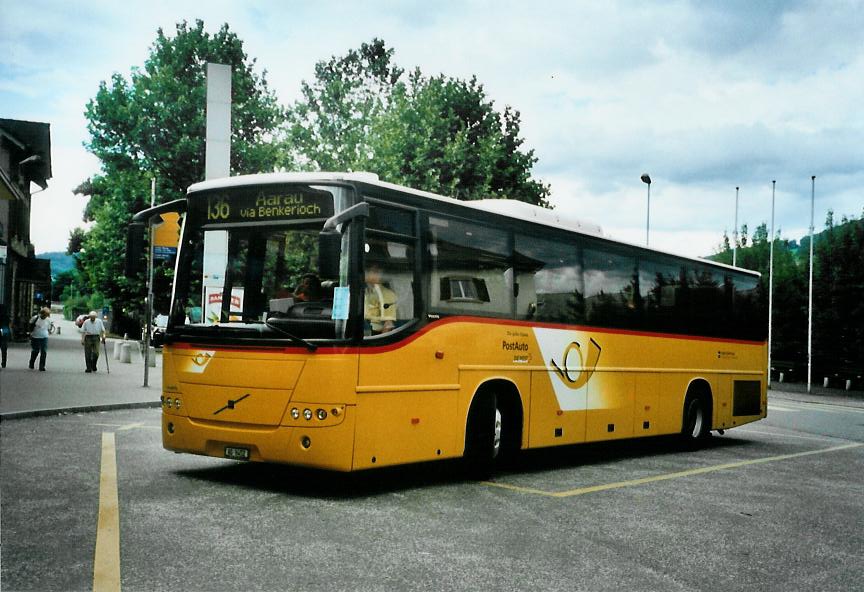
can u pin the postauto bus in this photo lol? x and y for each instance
(332, 320)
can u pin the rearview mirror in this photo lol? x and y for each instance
(329, 252)
(135, 249)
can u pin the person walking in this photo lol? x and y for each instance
(5, 335)
(41, 327)
(92, 334)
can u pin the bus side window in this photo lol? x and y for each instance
(469, 268)
(549, 279)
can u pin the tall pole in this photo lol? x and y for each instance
(149, 308)
(771, 281)
(647, 180)
(810, 297)
(735, 233)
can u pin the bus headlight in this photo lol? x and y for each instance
(322, 415)
(307, 414)
(295, 413)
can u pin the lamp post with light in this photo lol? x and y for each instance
(647, 180)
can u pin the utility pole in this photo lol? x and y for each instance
(735, 233)
(149, 307)
(810, 298)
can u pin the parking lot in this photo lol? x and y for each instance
(776, 505)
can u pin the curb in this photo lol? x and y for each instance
(69, 410)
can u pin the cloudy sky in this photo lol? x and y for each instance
(703, 96)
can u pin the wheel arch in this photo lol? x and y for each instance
(507, 393)
(699, 388)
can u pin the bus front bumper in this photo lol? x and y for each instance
(330, 447)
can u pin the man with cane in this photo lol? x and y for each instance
(93, 331)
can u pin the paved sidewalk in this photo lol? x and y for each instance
(64, 386)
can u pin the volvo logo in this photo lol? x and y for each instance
(232, 403)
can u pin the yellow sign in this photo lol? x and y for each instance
(167, 234)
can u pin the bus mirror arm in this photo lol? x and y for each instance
(360, 210)
(330, 239)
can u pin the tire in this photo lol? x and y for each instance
(483, 437)
(697, 422)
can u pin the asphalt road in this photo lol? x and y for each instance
(776, 505)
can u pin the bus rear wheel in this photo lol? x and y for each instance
(697, 422)
(483, 438)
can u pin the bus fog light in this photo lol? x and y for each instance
(322, 415)
(305, 442)
(307, 413)
(295, 413)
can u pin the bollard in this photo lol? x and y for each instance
(825, 382)
(58, 329)
(849, 384)
(126, 353)
(152, 357)
(781, 377)
(118, 345)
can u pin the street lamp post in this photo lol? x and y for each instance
(735, 233)
(647, 180)
(771, 281)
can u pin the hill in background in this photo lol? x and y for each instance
(60, 262)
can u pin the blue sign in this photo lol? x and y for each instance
(164, 252)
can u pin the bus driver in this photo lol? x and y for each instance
(380, 302)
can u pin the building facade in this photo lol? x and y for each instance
(25, 160)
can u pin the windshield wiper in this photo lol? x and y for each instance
(299, 340)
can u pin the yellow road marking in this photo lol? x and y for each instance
(798, 436)
(106, 565)
(666, 476)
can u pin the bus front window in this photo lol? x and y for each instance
(262, 273)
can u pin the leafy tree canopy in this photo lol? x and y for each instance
(154, 124)
(437, 133)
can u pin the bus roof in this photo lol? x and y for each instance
(510, 208)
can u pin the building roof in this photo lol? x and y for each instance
(33, 139)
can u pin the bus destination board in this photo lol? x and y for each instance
(268, 204)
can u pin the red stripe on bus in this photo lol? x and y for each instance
(461, 319)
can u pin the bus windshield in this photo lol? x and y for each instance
(250, 259)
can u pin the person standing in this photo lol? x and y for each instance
(93, 333)
(5, 335)
(41, 327)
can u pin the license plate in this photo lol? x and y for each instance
(236, 453)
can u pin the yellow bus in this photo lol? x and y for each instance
(340, 322)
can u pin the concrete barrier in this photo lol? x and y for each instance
(117, 346)
(126, 353)
(152, 357)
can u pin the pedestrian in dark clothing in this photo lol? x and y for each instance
(5, 336)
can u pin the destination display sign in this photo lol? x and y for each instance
(261, 204)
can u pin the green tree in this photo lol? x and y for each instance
(329, 128)
(153, 123)
(440, 134)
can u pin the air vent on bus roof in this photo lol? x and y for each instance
(526, 211)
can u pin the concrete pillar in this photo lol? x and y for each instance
(117, 347)
(152, 357)
(126, 353)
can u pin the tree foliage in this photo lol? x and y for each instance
(838, 309)
(437, 133)
(153, 123)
